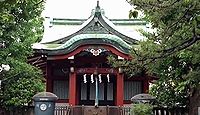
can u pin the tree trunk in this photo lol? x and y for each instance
(194, 101)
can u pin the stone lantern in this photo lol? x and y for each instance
(143, 98)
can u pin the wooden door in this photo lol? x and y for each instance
(106, 91)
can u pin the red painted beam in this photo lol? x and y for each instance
(99, 70)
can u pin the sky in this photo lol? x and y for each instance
(81, 9)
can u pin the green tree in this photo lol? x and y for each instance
(171, 51)
(20, 26)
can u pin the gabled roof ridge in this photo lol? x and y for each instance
(114, 19)
(97, 16)
(73, 34)
(117, 32)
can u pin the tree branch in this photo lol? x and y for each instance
(39, 3)
(175, 23)
(184, 45)
(150, 5)
(182, 17)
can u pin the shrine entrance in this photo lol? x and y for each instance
(97, 89)
(95, 79)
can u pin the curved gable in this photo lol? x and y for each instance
(88, 48)
(87, 39)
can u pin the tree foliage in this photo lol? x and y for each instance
(20, 26)
(171, 51)
(141, 109)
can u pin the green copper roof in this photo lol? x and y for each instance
(87, 39)
(52, 46)
(97, 36)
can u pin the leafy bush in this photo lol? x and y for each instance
(141, 109)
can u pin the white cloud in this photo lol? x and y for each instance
(114, 9)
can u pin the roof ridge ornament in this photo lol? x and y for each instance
(97, 9)
(98, 4)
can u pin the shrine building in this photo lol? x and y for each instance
(73, 56)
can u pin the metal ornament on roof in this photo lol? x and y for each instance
(95, 50)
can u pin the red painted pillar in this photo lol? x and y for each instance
(49, 86)
(120, 90)
(146, 85)
(49, 81)
(72, 89)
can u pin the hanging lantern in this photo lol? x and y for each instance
(84, 78)
(108, 78)
(72, 69)
(100, 80)
(120, 70)
(92, 78)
